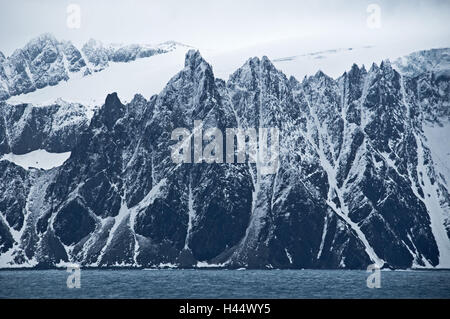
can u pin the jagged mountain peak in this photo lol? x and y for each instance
(293, 81)
(386, 63)
(112, 110)
(374, 68)
(354, 68)
(36, 45)
(112, 98)
(386, 66)
(194, 59)
(256, 63)
(320, 78)
(42, 38)
(138, 98)
(320, 74)
(354, 75)
(197, 67)
(94, 43)
(363, 69)
(256, 69)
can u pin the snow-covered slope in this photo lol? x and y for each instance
(146, 76)
(438, 140)
(47, 62)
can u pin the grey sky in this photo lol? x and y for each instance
(225, 25)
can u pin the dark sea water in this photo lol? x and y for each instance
(223, 284)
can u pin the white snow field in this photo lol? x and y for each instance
(37, 159)
(438, 138)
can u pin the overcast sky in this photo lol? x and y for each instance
(227, 24)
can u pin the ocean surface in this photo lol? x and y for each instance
(165, 283)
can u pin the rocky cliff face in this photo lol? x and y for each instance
(55, 128)
(356, 182)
